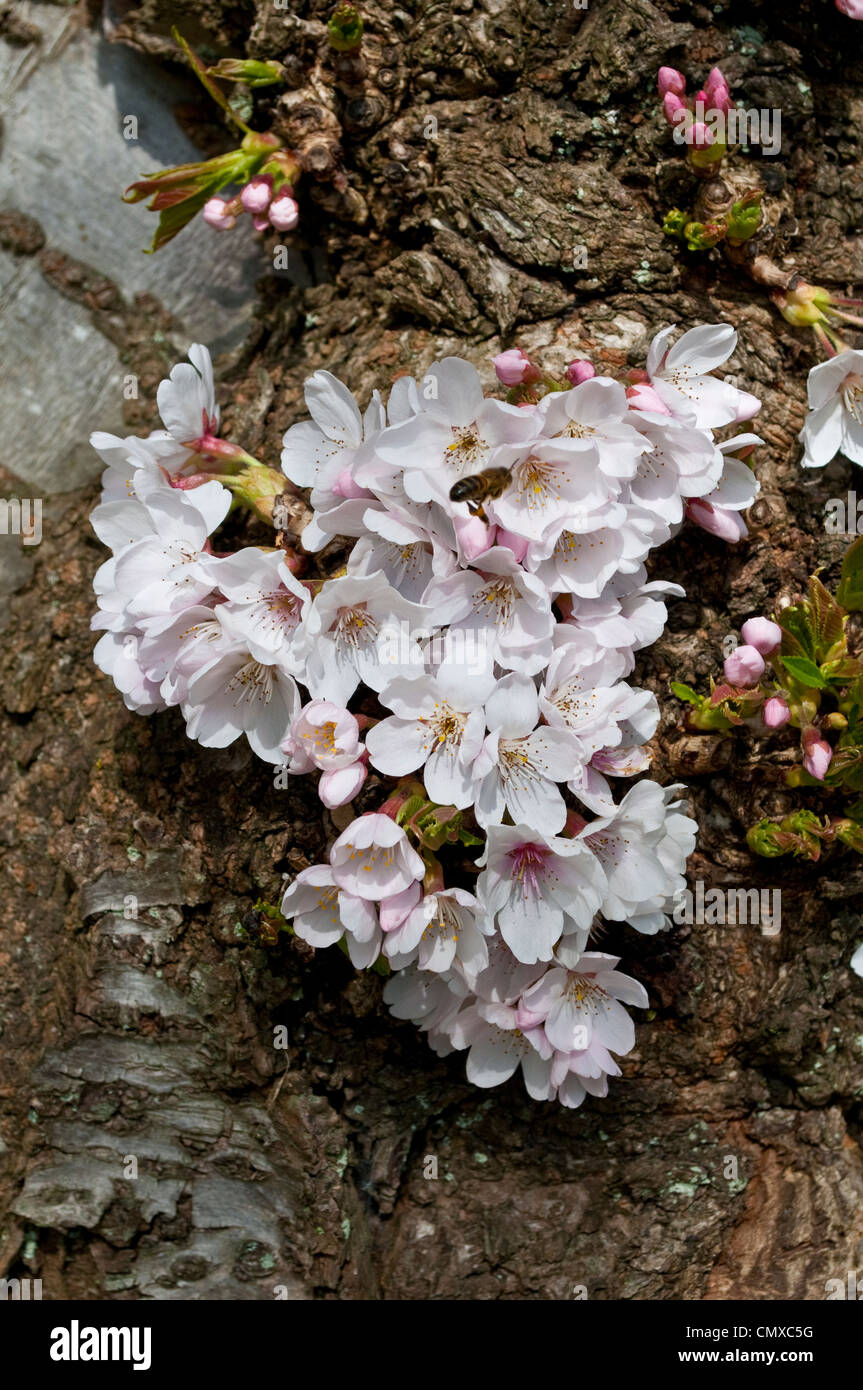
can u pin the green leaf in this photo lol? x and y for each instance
(744, 218)
(200, 71)
(685, 692)
(345, 28)
(701, 236)
(249, 70)
(850, 591)
(674, 223)
(173, 220)
(804, 671)
(798, 631)
(844, 763)
(827, 616)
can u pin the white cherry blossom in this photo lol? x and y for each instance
(538, 888)
(373, 858)
(680, 376)
(834, 424)
(521, 763)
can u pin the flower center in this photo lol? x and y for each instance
(495, 602)
(444, 925)
(584, 992)
(284, 609)
(517, 764)
(253, 681)
(447, 726)
(468, 448)
(852, 396)
(573, 702)
(528, 866)
(324, 736)
(355, 627)
(535, 483)
(576, 430)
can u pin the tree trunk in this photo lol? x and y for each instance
(507, 174)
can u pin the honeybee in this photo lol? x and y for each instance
(479, 488)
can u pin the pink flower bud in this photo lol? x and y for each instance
(761, 634)
(579, 370)
(526, 1019)
(853, 8)
(262, 223)
(283, 213)
(215, 213)
(719, 521)
(717, 91)
(346, 486)
(514, 367)
(670, 80)
(473, 536)
(673, 107)
(776, 713)
(257, 194)
(817, 753)
(643, 396)
(517, 544)
(744, 667)
(699, 136)
(340, 786)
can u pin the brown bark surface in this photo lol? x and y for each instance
(152, 1036)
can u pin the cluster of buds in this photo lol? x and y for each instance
(802, 834)
(266, 170)
(693, 116)
(700, 123)
(514, 369)
(268, 198)
(798, 671)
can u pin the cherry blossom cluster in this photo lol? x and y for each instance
(472, 656)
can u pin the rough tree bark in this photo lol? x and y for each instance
(152, 1036)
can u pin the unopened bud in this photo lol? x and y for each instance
(699, 135)
(817, 755)
(744, 667)
(775, 712)
(673, 106)
(345, 28)
(670, 80)
(257, 194)
(643, 396)
(579, 370)
(716, 89)
(761, 634)
(216, 213)
(283, 213)
(514, 368)
(836, 721)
